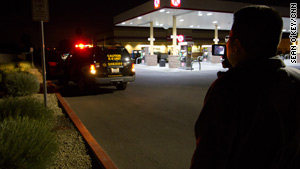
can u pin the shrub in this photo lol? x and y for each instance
(21, 84)
(24, 106)
(24, 65)
(2, 74)
(26, 143)
(8, 66)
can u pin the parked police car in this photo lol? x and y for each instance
(102, 65)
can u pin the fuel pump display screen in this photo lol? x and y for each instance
(218, 50)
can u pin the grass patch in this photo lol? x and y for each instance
(25, 106)
(26, 143)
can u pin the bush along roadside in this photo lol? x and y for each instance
(26, 143)
(27, 139)
(21, 84)
(31, 135)
(9, 71)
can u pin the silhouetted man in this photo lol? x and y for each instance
(251, 114)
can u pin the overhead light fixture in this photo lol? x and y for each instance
(162, 10)
(219, 27)
(149, 39)
(209, 14)
(123, 23)
(130, 23)
(161, 25)
(283, 30)
(181, 20)
(215, 22)
(191, 26)
(200, 14)
(139, 17)
(168, 12)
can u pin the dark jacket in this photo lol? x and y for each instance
(251, 119)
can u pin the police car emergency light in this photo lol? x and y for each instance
(83, 46)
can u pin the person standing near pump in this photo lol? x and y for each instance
(251, 114)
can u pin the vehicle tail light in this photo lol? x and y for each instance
(133, 67)
(93, 69)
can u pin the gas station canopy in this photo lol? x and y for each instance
(190, 14)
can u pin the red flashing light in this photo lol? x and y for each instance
(175, 3)
(82, 46)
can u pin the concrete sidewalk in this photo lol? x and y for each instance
(205, 66)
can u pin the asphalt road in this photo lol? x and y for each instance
(150, 125)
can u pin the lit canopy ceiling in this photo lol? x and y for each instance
(185, 18)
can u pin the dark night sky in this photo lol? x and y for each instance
(91, 16)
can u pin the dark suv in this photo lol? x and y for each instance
(101, 65)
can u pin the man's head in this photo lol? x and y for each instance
(256, 32)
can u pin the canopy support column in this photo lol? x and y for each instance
(216, 34)
(151, 39)
(174, 36)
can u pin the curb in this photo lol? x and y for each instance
(96, 149)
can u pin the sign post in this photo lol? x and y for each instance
(31, 54)
(40, 12)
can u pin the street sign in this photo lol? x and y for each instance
(40, 10)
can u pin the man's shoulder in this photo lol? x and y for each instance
(244, 78)
(226, 81)
(293, 73)
(231, 76)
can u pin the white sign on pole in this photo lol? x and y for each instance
(40, 10)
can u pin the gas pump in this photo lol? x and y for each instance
(145, 51)
(135, 55)
(186, 55)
